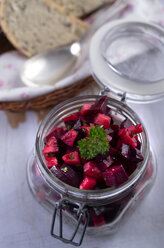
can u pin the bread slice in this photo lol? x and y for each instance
(34, 26)
(81, 7)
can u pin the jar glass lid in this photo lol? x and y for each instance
(127, 57)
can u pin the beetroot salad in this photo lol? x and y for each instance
(94, 149)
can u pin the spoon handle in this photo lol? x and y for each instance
(105, 14)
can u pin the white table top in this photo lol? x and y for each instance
(24, 223)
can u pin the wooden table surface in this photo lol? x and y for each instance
(25, 224)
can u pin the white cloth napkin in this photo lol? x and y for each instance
(11, 87)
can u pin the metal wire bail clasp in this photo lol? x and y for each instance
(119, 95)
(81, 213)
(104, 91)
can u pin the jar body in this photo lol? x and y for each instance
(112, 213)
(105, 215)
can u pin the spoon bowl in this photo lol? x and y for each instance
(50, 66)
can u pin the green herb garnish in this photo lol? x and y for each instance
(71, 156)
(96, 143)
(133, 134)
(51, 154)
(68, 127)
(85, 124)
(64, 169)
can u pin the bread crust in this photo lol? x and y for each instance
(61, 10)
(81, 8)
(5, 29)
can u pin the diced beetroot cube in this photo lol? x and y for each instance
(106, 163)
(115, 120)
(109, 160)
(91, 169)
(122, 132)
(85, 110)
(130, 167)
(115, 176)
(115, 123)
(125, 150)
(66, 174)
(51, 161)
(51, 146)
(57, 132)
(114, 140)
(83, 160)
(100, 157)
(136, 129)
(115, 127)
(135, 155)
(109, 138)
(72, 117)
(109, 131)
(81, 135)
(103, 120)
(72, 176)
(87, 119)
(130, 154)
(126, 139)
(131, 131)
(138, 144)
(52, 141)
(139, 128)
(100, 106)
(113, 151)
(88, 183)
(72, 158)
(69, 137)
(77, 125)
(98, 220)
(59, 173)
(119, 143)
(86, 129)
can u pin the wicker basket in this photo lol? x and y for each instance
(43, 101)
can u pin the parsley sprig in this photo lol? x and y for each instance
(64, 169)
(96, 143)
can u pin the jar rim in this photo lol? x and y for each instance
(106, 75)
(90, 196)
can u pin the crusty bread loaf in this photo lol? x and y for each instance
(34, 26)
(80, 7)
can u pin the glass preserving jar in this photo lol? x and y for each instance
(126, 60)
(97, 212)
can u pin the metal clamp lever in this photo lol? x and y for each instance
(83, 217)
(120, 96)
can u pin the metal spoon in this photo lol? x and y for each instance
(51, 66)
